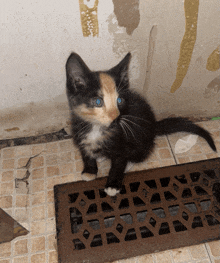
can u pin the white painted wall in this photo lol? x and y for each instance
(36, 37)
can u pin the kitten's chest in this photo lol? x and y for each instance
(93, 141)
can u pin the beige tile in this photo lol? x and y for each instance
(37, 173)
(37, 244)
(196, 149)
(9, 211)
(38, 228)
(20, 259)
(212, 155)
(22, 214)
(163, 257)
(8, 153)
(68, 178)
(38, 148)
(200, 157)
(66, 168)
(52, 242)
(216, 135)
(53, 257)
(65, 157)
(37, 186)
(51, 181)
(50, 210)
(38, 198)
(167, 162)
(38, 213)
(198, 252)
(7, 188)
(20, 247)
(66, 145)
(53, 170)
(145, 259)
(22, 200)
(8, 164)
(37, 162)
(5, 250)
(77, 155)
(204, 261)
(5, 201)
(181, 160)
(5, 261)
(51, 225)
(181, 255)
(36, 258)
(52, 147)
(52, 159)
(217, 260)
(22, 187)
(161, 142)
(23, 151)
(7, 176)
(210, 125)
(151, 165)
(164, 153)
(21, 173)
(215, 248)
(50, 196)
(22, 162)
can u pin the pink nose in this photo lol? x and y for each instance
(113, 114)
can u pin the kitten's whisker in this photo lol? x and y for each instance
(123, 128)
(132, 122)
(129, 128)
(81, 130)
(137, 118)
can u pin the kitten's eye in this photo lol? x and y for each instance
(119, 101)
(98, 102)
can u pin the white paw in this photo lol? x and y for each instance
(111, 191)
(88, 176)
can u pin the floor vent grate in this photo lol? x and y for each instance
(157, 209)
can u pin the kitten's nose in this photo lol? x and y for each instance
(113, 114)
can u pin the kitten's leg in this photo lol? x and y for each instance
(90, 168)
(116, 176)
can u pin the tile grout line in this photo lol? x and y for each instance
(171, 150)
(206, 247)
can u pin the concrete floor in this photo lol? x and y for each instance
(58, 162)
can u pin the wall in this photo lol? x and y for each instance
(175, 63)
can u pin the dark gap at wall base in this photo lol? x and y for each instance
(49, 137)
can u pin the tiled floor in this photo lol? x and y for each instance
(32, 205)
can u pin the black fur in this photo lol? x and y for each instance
(131, 142)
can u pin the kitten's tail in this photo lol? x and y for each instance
(172, 125)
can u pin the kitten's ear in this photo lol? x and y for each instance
(121, 70)
(76, 72)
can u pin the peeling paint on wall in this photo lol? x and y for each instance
(213, 61)
(151, 47)
(213, 88)
(89, 17)
(127, 13)
(187, 45)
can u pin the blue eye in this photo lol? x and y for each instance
(98, 102)
(119, 100)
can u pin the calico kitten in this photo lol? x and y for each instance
(110, 120)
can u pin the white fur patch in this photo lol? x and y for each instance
(111, 191)
(88, 177)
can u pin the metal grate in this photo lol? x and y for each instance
(157, 209)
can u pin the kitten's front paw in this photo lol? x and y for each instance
(88, 176)
(111, 191)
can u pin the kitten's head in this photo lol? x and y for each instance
(96, 97)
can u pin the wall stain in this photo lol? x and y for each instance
(89, 17)
(127, 13)
(12, 129)
(213, 88)
(187, 45)
(213, 61)
(151, 47)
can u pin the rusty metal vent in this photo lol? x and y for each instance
(157, 209)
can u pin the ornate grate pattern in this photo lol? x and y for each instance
(156, 210)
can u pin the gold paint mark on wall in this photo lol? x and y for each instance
(12, 129)
(89, 17)
(213, 61)
(187, 45)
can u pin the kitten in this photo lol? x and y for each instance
(109, 120)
